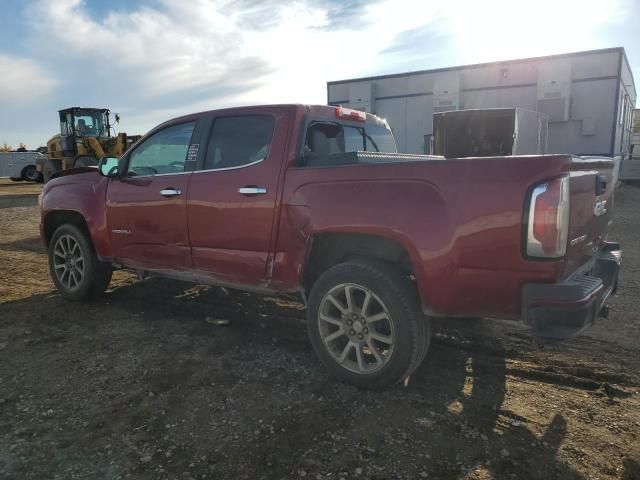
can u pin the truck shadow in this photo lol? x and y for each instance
(30, 244)
(20, 200)
(450, 420)
(465, 376)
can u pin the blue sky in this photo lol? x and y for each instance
(151, 60)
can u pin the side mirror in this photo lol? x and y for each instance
(108, 167)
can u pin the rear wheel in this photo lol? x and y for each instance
(74, 267)
(30, 173)
(366, 324)
(51, 167)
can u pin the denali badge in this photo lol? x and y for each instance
(121, 232)
(578, 240)
(600, 208)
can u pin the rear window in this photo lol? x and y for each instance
(326, 139)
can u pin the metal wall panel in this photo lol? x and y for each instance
(530, 132)
(419, 121)
(594, 65)
(395, 111)
(523, 97)
(391, 87)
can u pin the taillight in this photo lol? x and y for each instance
(548, 226)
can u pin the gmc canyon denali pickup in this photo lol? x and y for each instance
(315, 200)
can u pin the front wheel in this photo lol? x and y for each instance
(74, 267)
(366, 324)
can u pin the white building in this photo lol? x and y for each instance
(588, 97)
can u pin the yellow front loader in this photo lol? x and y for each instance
(85, 137)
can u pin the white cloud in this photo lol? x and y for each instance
(153, 61)
(505, 29)
(22, 81)
(273, 50)
(160, 51)
(179, 56)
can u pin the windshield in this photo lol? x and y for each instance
(91, 123)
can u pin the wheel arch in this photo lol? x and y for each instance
(330, 248)
(56, 218)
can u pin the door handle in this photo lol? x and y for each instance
(251, 190)
(170, 192)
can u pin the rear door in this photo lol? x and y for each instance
(146, 208)
(232, 198)
(591, 207)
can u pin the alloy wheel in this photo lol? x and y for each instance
(356, 328)
(68, 262)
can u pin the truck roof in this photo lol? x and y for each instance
(317, 111)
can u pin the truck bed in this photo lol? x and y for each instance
(464, 217)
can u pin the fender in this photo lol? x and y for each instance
(82, 191)
(384, 208)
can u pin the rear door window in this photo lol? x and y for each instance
(239, 141)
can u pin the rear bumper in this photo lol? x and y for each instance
(559, 311)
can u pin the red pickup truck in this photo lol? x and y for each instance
(315, 200)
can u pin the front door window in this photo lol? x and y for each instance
(165, 152)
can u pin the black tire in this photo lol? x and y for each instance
(85, 161)
(30, 174)
(96, 275)
(50, 168)
(398, 297)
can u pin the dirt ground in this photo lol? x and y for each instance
(142, 384)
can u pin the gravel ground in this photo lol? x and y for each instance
(143, 383)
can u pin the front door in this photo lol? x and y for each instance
(146, 207)
(232, 197)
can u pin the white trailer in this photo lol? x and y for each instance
(20, 166)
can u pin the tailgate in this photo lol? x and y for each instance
(591, 208)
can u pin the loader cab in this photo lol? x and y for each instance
(78, 123)
(84, 122)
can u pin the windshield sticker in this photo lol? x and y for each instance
(192, 153)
